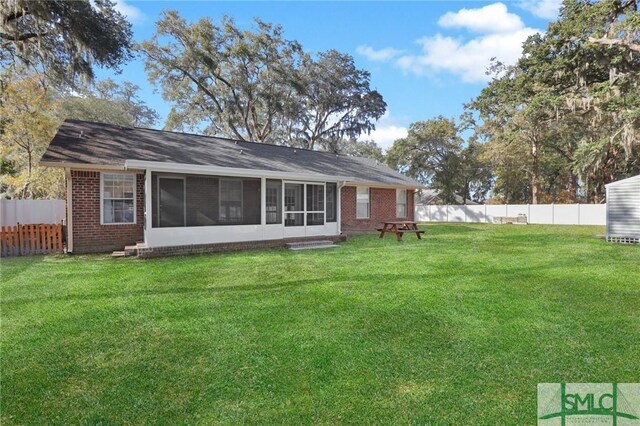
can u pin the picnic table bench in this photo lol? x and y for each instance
(400, 228)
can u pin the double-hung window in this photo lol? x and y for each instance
(118, 198)
(362, 202)
(401, 203)
(230, 201)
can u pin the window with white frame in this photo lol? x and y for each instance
(118, 198)
(401, 203)
(362, 202)
(230, 200)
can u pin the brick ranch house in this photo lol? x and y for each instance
(170, 193)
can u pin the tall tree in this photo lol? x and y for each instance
(435, 154)
(63, 39)
(425, 151)
(220, 79)
(334, 101)
(366, 149)
(602, 86)
(474, 178)
(109, 102)
(30, 126)
(515, 114)
(256, 85)
(570, 108)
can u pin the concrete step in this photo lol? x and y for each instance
(309, 245)
(131, 250)
(119, 254)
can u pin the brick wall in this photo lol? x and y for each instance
(88, 235)
(382, 208)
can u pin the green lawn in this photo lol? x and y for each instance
(457, 328)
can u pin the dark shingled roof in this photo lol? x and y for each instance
(111, 145)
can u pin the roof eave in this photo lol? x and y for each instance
(383, 185)
(228, 171)
(80, 166)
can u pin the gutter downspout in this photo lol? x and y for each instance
(69, 205)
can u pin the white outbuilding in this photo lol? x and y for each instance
(623, 210)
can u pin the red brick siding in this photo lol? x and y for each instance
(382, 208)
(88, 235)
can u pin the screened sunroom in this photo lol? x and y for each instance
(196, 208)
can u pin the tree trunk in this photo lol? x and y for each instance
(535, 172)
(28, 182)
(573, 186)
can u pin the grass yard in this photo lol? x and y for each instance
(457, 328)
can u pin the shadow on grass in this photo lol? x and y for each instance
(377, 278)
(448, 228)
(11, 267)
(429, 278)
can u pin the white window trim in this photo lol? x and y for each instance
(368, 216)
(406, 204)
(135, 196)
(227, 221)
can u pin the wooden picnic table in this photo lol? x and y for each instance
(400, 228)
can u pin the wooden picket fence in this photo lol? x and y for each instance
(24, 240)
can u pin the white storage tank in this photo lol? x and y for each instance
(623, 210)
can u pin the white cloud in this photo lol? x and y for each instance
(498, 34)
(131, 12)
(493, 18)
(377, 55)
(384, 136)
(467, 59)
(546, 9)
(387, 131)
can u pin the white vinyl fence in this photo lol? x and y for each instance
(26, 212)
(550, 214)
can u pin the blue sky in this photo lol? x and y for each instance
(426, 58)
